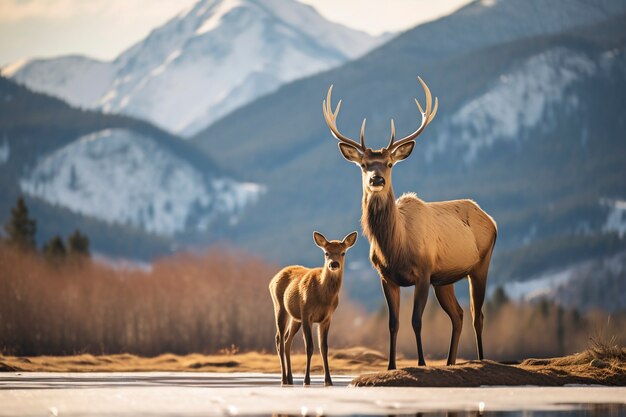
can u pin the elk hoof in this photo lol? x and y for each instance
(328, 383)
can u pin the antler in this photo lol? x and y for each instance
(331, 120)
(427, 117)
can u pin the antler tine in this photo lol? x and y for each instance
(393, 134)
(363, 134)
(427, 117)
(331, 120)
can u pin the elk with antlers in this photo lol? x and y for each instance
(413, 242)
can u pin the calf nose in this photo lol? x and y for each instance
(334, 265)
(377, 181)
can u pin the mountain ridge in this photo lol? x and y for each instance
(202, 63)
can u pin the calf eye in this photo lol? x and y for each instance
(343, 254)
(326, 254)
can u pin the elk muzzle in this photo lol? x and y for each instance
(333, 265)
(376, 183)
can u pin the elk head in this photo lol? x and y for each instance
(334, 250)
(376, 165)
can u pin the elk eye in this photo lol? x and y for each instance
(326, 254)
(363, 166)
(343, 254)
(389, 164)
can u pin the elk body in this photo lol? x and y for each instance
(303, 296)
(416, 243)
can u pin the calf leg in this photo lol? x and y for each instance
(449, 303)
(294, 326)
(281, 322)
(308, 345)
(322, 333)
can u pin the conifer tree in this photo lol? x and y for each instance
(78, 244)
(54, 250)
(20, 229)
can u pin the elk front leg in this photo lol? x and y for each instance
(422, 285)
(308, 345)
(392, 295)
(322, 333)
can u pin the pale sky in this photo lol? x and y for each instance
(104, 28)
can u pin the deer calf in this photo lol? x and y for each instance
(303, 296)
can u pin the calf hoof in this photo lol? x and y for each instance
(328, 383)
(307, 382)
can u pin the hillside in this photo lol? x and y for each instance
(133, 188)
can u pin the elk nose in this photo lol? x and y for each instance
(377, 181)
(333, 265)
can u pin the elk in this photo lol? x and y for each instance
(303, 296)
(418, 243)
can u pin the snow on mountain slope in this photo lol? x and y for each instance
(79, 80)
(203, 63)
(517, 101)
(119, 176)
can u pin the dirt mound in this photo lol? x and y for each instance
(359, 355)
(584, 368)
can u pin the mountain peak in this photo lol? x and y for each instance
(203, 63)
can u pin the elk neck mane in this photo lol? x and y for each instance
(381, 222)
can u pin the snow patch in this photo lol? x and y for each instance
(542, 286)
(616, 219)
(216, 18)
(516, 102)
(120, 176)
(5, 152)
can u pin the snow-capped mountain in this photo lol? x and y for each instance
(202, 64)
(135, 190)
(120, 176)
(514, 103)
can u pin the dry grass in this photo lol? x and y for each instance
(187, 304)
(342, 361)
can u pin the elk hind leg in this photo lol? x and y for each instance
(449, 303)
(478, 287)
(420, 298)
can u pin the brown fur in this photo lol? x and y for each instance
(303, 296)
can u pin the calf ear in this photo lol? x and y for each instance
(351, 153)
(350, 240)
(320, 240)
(403, 151)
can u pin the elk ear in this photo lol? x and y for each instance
(320, 240)
(351, 153)
(402, 151)
(350, 240)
